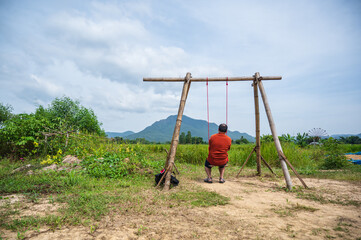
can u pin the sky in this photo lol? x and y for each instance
(98, 52)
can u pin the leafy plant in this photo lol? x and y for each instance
(335, 159)
(5, 112)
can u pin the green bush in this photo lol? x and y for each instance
(335, 158)
(118, 164)
(334, 161)
(21, 135)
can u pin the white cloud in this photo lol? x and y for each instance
(99, 52)
(64, 78)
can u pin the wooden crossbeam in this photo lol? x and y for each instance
(222, 79)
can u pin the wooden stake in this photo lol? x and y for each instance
(293, 169)
(269, 167)
(244, 164)
(258, 137)
(275, 136)
(175, 138)
(161, 179)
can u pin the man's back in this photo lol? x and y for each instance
(219, 144)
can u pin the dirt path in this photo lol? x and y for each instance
(258, 209)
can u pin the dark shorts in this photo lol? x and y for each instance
(208, 165)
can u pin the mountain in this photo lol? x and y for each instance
(337, 136)
(162, 131)
(116, 134)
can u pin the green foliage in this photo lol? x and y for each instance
(242, 140)
(117, 165)
(351, 140)
(335, 158)
(266, 138)
(68, 115)
(302, 140)
(188, 139)
(286, 138)
(20, 135)
(5, 112)
(23, 134)
(200, 198)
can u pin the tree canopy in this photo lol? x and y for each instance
(20, 134)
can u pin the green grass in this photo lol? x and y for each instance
(199, 198)
(85, 199)
(85, 196)
(289, 211)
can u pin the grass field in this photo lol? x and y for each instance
(120, 179)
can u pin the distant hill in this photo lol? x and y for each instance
(337, 136)
(116, 134)
(162, 130)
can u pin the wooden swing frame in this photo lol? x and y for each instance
(257, 84)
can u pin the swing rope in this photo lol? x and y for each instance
(227, 101)
(207, 108)
(208, 105)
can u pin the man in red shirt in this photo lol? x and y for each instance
(219, 145)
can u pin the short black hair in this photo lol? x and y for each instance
(222, 127)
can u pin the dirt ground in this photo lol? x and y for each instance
(258, 209)
(354, 157)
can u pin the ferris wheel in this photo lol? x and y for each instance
(317, 134)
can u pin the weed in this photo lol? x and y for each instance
(289, 211)
(316, 231)
(20, 235)
(141, 230)
(199, 198)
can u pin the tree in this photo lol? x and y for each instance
(286, 138)
(242, 140)
(66, 114)
(351, 140)
(189, 137)
(182, 138)
(267, 138)
(303, 139)
(5, 112)
(22, 134)
(197, 140)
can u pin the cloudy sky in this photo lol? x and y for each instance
(98, 52)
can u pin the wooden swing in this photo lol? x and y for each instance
(257, 84)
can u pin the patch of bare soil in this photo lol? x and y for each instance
(41, 207)
(258, 209)
(354, 157)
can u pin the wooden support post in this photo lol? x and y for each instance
(269, 167)
(175, 138)
(244, 164)
(275, 136)
(258, 137)
(293, 169)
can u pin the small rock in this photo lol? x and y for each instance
(63, 169)
(21, 168)
(126, 160)
(71, 160)
(77, 168)
(30, 172)
(51, 167)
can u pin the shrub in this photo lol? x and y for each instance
(335, 159)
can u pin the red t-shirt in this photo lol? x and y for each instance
(219, 144)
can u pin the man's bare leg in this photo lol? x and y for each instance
(209, 172)
(221, 172)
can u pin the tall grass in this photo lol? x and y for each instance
(308, 157)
